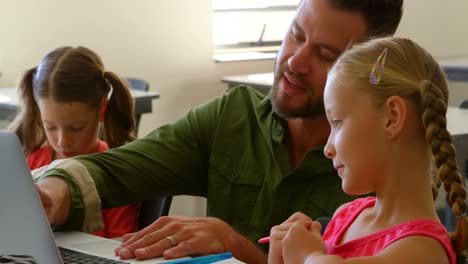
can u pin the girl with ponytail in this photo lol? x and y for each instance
(386, 102)
(64, 102)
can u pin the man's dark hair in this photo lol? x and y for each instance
(382, 16)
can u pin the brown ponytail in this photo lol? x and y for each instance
(27, 124)
(119, 124)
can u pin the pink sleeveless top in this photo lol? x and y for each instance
(372, 244)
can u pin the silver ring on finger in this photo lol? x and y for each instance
(171, 240)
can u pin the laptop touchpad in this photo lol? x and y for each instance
(101, 248)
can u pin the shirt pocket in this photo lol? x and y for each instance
(234, 187)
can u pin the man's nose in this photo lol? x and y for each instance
(300, 61)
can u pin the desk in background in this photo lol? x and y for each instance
(9, 102)
(457, 119)
(456, 69)
(457, 125)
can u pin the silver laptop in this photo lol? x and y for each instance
(24, 229)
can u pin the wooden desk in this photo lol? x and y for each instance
(9, 102)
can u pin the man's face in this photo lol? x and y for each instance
(315, 39)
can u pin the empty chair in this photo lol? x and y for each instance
(151, 210)
(138, 85)
(463, 104)
(324, 220)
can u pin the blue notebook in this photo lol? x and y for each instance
(203, 259)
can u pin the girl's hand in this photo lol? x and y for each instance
(302, 239)
(277, 233)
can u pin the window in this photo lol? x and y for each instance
(242, 26)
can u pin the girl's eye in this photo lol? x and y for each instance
(76, 129)
(49, 128)
(335, 123)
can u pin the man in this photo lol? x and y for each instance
(256, 158)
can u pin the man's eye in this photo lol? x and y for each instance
(327, 55)
(296, 35)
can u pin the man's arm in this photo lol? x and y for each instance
(244, 250)
(171, 160)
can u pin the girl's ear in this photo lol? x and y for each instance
(102, 109)
(396, 110)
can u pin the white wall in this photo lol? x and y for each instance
(168, 43)
(440, 27)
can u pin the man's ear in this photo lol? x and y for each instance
(396, 110)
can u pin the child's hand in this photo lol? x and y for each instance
(277, 233)
(302, 239)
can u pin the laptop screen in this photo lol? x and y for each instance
(24, 229)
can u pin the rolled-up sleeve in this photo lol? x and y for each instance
(85, 213)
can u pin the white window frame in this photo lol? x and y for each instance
(246, 26)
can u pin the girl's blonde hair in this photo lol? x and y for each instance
(412, 73)
(69, 74)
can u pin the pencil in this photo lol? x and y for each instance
(263, 240)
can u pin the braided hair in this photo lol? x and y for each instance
(413, 74)
(435, 124)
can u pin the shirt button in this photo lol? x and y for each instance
(278, 131)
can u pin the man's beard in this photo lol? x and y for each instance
(308, 109)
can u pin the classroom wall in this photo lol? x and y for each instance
(168, 43)
(440, 27)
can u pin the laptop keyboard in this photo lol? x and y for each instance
(72, 257)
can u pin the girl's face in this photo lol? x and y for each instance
(356, 143)
(71, 128)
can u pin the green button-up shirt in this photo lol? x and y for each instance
(230, 151)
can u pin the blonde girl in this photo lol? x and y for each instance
(386, 102)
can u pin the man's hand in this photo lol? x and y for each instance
(56, 199)
(189, 235)
(178, 236)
